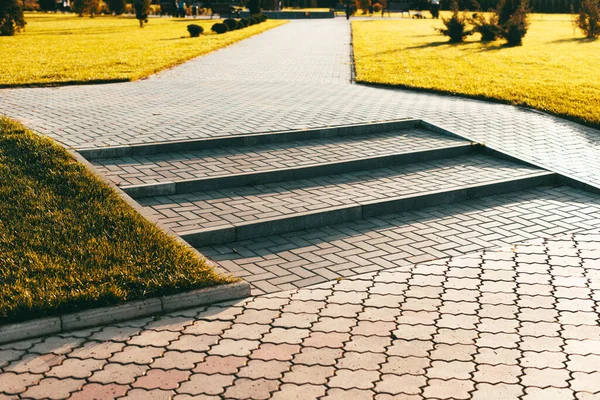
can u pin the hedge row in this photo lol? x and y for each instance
(231, 24)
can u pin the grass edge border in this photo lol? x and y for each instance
(122, 312)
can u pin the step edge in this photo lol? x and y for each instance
(362, 210)
(270, 176)
(97, 153)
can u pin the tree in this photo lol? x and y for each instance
(142, 9)
(11, 17)
(456, 26)
(86, 7)
(47, 5)
(588, 19)
(254, 7)
(515, 28)
(116, 6)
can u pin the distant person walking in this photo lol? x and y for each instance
(435, 8)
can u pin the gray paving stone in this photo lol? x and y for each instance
(401, 239)
(217, 208)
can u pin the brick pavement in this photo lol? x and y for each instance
(213, 208)
(226, 161)
(286, 88)
(302, 258)
(519, 322)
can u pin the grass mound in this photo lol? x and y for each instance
(556, 69)
(68, 242)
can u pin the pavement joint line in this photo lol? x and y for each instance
(295, 173)
(248, 139)
(122, 312)
(227, 233)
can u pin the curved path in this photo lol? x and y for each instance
(517, 322)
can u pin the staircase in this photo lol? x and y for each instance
(290, 209)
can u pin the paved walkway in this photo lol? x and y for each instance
(295, 76)
(518, 322)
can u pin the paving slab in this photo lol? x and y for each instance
(514, 322)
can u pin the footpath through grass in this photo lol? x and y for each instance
(68, 242)
(556, 70)
(66, 49)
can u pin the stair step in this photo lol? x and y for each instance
(218, 216)
(303, 258)
(253, 139)
(184, 172)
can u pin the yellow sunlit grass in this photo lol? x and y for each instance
(61, 49)
(556, 70)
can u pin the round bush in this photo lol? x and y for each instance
(219, 28)
(376, 7)
(251, 20)
(231, 24)
(244, 22)
(239, 25)
(195, 30)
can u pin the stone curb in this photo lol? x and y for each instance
(246, 140)
(122, 312)
(249, 230)
(286, 174)
(133, 309)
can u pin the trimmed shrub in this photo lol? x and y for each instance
(231, 24)
(239, 25)
(363, 5)
(195, 30)
(489, 29)
(456, 25)
(588, 19)
(244, 22)
(377, 8)
(11, 18)
(219, 28)
(252, 21)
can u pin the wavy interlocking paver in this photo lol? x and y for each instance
(427, 349)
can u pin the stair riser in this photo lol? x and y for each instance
(344, 214)
(261, 178)
(246, 140)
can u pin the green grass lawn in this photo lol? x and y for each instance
(556, 70)
(68, 241)
(66, 49)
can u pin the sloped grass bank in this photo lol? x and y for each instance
(59, 49)
(69, 242)
(556, 70)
